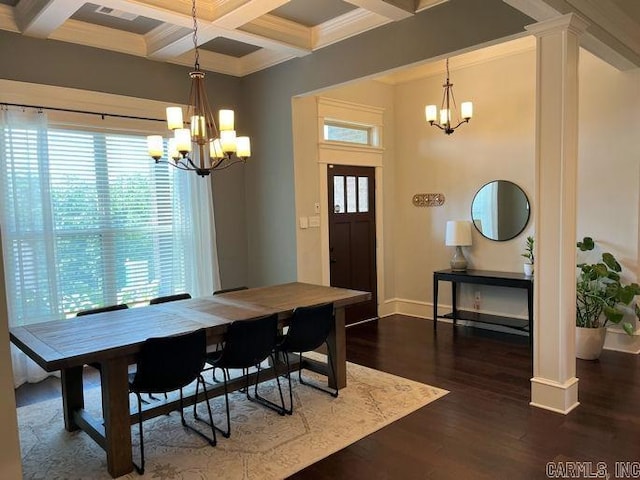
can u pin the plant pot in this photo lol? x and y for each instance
(589, 342)
(528, 269)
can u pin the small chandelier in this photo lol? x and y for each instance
(204, 146)
(431, 111)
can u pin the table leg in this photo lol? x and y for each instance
(338, 344)
(454, 302)
(530, 309)
(72, 395)
(117, 429)
(435, 303)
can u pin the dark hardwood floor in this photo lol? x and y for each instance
(484, 428)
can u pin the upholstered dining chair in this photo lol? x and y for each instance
(169, 298)
(247, 344)
(309, 328)
(167, 364)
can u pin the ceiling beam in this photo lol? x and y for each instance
(611, 35)
(248, 11)
(39, 18)
(167, 41)
(392, 9)
(260, 29)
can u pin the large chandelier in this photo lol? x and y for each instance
(446, 110)
(204, 146)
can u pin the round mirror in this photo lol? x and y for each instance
(500, 210)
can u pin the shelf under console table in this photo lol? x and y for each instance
(484, 277)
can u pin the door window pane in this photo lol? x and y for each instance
(338, 194)
(363, 194)
(351, 194)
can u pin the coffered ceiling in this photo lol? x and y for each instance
(238, 37)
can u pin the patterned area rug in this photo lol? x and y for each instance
(263, 445)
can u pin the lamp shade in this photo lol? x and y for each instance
(458, 233)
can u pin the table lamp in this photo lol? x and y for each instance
(458, 234)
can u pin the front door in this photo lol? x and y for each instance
(352, 235)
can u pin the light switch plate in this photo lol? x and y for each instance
(314, 221)
(304, 222)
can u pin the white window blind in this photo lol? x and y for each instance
(89, 220)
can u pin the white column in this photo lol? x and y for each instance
(554, 385)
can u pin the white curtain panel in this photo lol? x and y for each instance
(203, 272)
(17, 129)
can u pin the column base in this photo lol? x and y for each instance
(557, 397)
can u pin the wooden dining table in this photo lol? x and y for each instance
(114, 338)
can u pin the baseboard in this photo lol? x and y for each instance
(617, 340)
(413, 308)
(402, 306)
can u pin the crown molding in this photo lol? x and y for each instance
(393, 10)
(436, 66)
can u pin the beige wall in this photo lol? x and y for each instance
(609, 158)
(497, 144)
(609, 170)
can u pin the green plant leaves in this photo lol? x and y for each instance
(587, 243)
(601, 296)
(628, 328)
(611, 262)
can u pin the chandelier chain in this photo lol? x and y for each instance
(195, 34)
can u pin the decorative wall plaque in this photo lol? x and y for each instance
(428, 199)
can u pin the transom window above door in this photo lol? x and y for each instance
(348, 133)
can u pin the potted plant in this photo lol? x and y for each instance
(528, 254)
(601, 297)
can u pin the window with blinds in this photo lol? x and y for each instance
(89, 221)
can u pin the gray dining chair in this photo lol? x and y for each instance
(167, 364)
(169, 298)
(309, 328)
(247, 344)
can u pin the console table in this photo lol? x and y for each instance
(484, 277)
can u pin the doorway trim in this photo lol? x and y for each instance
(362, 156)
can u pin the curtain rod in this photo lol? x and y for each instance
(85, 112)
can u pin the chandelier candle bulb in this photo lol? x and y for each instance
(183, 140)
(174, 118)
(431, 113)
(226, 119)
(228, 140)
(444, 116)
(466, 109)
(198, 127)
(173, 149)
(215, 149)
(243, 145)
(155, 146)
